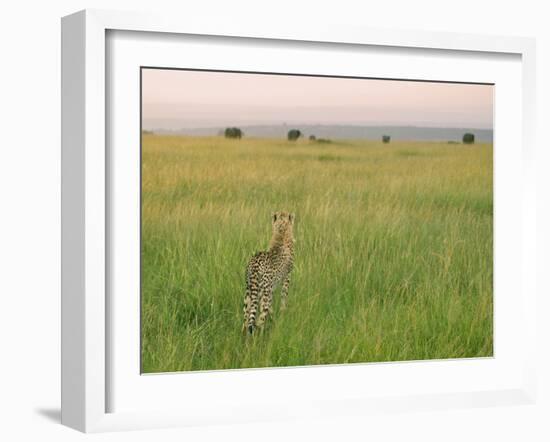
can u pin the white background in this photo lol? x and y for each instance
(30, 230)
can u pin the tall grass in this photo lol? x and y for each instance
(393, 253)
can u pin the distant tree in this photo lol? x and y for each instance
(233, 132)
(147, 132)
(312, 138)
(294, 134)
(468, 138)
(386, 138)
(323, 141)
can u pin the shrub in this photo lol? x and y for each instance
(386, 138)
(294, 134)
(233, 132)
(468, 138)
(323, 141)
(312, 138)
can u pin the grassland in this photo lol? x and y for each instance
(393, 251)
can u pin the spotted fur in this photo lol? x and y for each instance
(267, 270)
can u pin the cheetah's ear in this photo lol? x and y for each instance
(274, 216)
(291, 217)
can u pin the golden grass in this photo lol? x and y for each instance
(393, 251)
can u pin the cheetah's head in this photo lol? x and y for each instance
(282, 222)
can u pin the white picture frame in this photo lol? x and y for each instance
(86, 206)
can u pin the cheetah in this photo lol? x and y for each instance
(267, 270)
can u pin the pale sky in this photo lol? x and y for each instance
(174, 99)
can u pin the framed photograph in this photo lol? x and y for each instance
(276, 223)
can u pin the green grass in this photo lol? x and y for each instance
(393, 252)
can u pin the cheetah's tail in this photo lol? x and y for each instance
(246, 309)
(250, 305)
